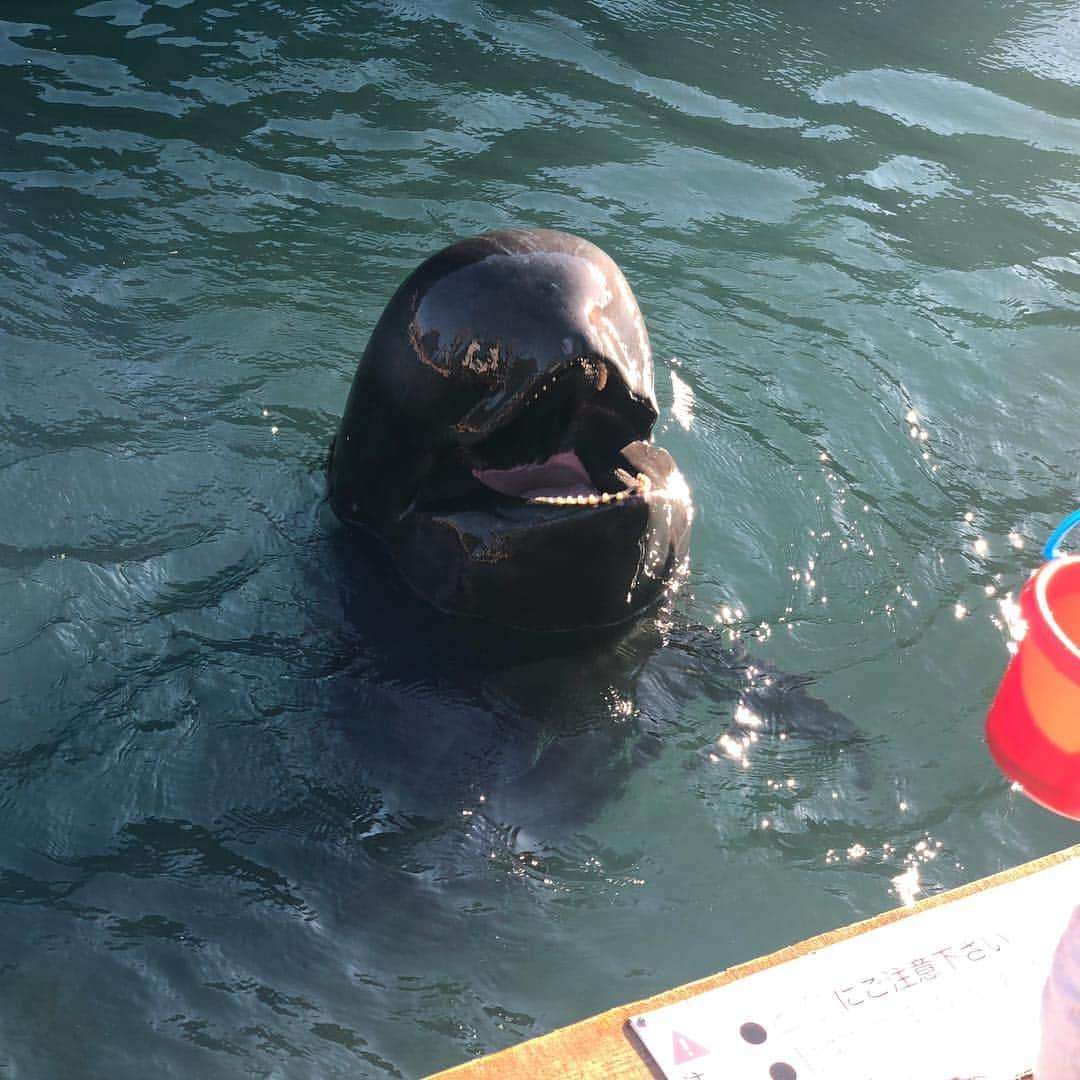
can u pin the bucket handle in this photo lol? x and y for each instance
(1051, 549)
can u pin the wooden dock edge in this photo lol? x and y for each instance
(600, 1046)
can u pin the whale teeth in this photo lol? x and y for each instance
(641, 490)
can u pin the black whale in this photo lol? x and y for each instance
(497, 438)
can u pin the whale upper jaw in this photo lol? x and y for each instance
(566, 436)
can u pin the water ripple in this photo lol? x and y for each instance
(948, 106)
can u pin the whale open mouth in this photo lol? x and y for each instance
(574, 437)
(560, 480)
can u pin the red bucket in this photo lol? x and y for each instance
(1033, 727)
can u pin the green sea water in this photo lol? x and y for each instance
(259, 815)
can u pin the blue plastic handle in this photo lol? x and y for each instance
(1050, 551)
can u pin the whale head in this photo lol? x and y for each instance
(497, 438)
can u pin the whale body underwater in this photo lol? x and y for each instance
(498, 438)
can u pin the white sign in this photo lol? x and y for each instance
(953, 991)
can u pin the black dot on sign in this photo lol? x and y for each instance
(753, 1033)
(781, 1070)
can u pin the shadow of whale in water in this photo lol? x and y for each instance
(529, 736)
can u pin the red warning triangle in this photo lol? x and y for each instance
(685, 1049)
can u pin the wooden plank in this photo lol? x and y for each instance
(600, 1047)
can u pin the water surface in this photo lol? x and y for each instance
(262, 816)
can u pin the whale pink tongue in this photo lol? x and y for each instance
(560, 474)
